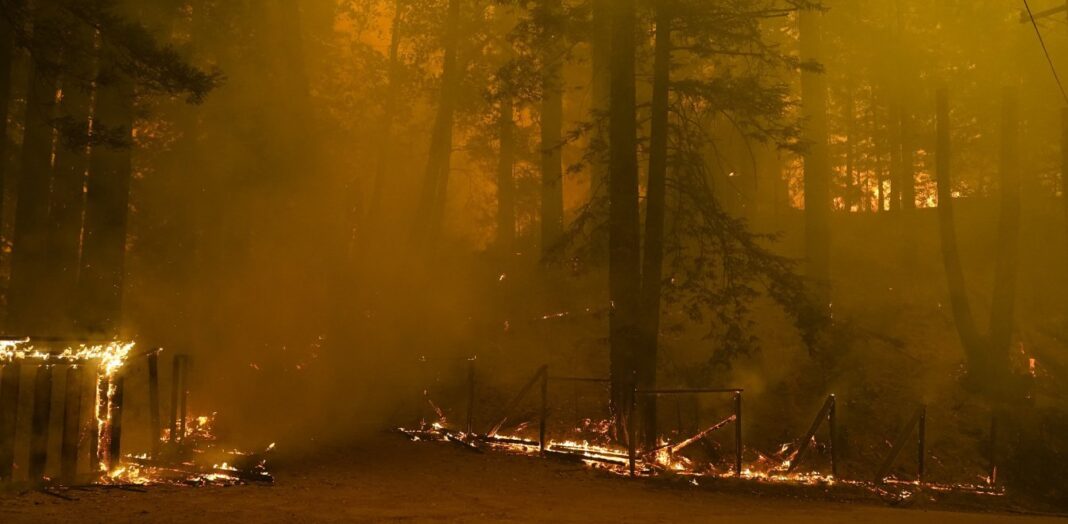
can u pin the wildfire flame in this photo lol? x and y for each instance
(190, 459)
(665, 458)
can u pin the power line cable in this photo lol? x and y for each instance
(1045, 50)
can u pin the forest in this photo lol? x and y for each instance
(651, 237)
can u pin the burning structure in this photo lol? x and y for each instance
(91, 450)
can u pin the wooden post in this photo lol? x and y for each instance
(899, 444)
(470, 396)
(632, 432)
(183, 407)
(803, 444)
(72, 414)
(9, 405)
(738, 434)
(153, 402)
(992, 453)
(176, 372)
(832, 423)
(922, 445)
(179, 396)
(544, 414)
(103, 385)
(115, 438)
(42, 410)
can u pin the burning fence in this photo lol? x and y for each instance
(91, 436)
(617, 447)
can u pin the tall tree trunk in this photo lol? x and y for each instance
(905, 143)
(624, 272)
(601, 92)
(71, 161)
(385, 151)
(962, 312)
(894, 142)
(817, 182)
(436, 176)
(1007, 260)
(28, 310)
(552, 123)
(851, 148)
(505, 180)
(908, 188)
(652, 270)
(1064, 170)
(7, 56)
(64, 234)
(106, 211)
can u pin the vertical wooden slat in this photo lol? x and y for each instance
(72, 409)
(176, 368)
(738, 434)
(183, 408)
(153, 401)
(99, 413)
(832, 421)
(115, 433)
(42, 410)
(9, 403)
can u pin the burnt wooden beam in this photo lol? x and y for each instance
(179, 396)
(470, 396)
(183, 405)
(803, 444)
(738, 447)
(176, 369)
(153, 402)
(42, 411)
(72, 410)
(921, 453)
(899, 444)
(9, 407)
(115, 428)
(507, 411)
(543, 415)
(701, 435)
(100, 412)
(832, 423)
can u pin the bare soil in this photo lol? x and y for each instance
(386, 479)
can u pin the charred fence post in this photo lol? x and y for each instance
(825, 413)
(738, 433)
(72, 410)
(153, 401)
(992, 452)
(115, 428)
(103, 387)
(9, 403)
(539, 375)
(921, 451)
(631, 426)
(832, 428)
(544, 411)
(183, 408)
(899, 443)
(42, 410)
(179, 396)
(176, 370)
(470, 396)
